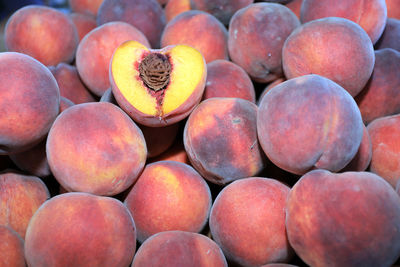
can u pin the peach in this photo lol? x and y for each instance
(385, 134)
(176, 7)
(95, 51)
(295, 6)
(256, 37)
(226, 79)
(84, 23)
(380, 97)
(70, 84)
(159, 139)
(108, 97)
(176, 152)
(338, 39)
(331, 218)
(95, 148)
(391, 35)
(168, 195)
(221, 9)
(29, 102)
(157, 87)
(179, 248)
(370, 15)
(393, 9)
(268, 88)
(146, 15)
(199, 30)
(89, 7)
(259, 202)
(42, 32)
(80, 229)
(362, 159)
(20, 197)
(309, 122)
(11, 248)
(65, 103)
(220, 138)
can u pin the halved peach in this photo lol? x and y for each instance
(157, 87)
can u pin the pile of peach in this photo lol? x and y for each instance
(201, 133)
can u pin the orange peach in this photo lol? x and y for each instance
(256, 37)
(391, 35)
(309, 122)
(295, 6)
(176, 7)
(29, 102)
(331, 218)
(370, 15)
(84, 23)
(89, 7)
(146, 15)
(220, 138)
(80, 229)
(168, 195)
(70, 84)
(11, 248)
(338, 39)
(381, 96)
(42, 32)
(259, 203)
(176, 152)
(385, 133)
(95, 51)
(200, 30)
(157, 87)
(20, 197)
(221, 9)
(226, 79)
(393, 9)
(179, 248)
(95, 148)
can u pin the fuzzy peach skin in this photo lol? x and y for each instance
(20, 197)
(295, 6)
(42, 32)
(226, 79)
(11, 248)
(362, 159)
(89, 7)
(169, 195)
(157, 87)
(80, 229)
(200, 30)
(259, 203)
(84, 23)
(346, 219)
(70, 84)
(309, 122)
(95, 51)
(175, 7)
(391, 35)
(381, 95)
(159, 139)
(268, 88)
(328, 52)
(179, 248)
(220, 139)
(371, 15)
(385, 134)
(95, 148)
(146, 15)
(256, 37)
(393, 9)
(221, 9)
(29, 102)
(34, 160)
